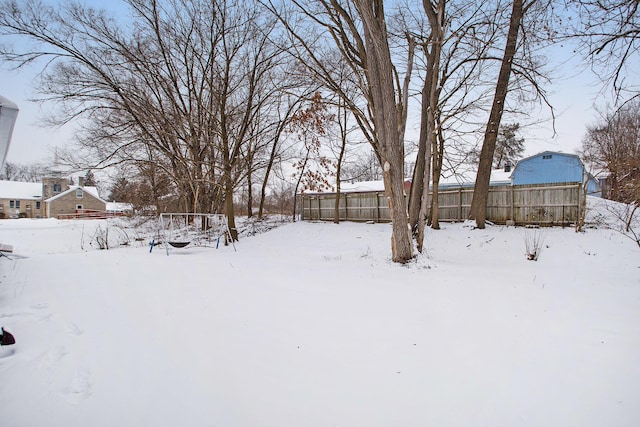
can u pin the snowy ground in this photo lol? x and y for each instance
(310, 324)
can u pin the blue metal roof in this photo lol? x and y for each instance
(548, 167)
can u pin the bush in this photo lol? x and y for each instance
(533, 241)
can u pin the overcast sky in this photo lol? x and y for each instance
(572, 95)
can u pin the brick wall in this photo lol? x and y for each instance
(69, 203)
(27, 209)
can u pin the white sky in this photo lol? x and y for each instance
(572, 95)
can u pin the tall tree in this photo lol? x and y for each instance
(481, 188)
(428, 129)
(459, 43)
(358, 29)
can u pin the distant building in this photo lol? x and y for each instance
(21, 200)
(54, 197)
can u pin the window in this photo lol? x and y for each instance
(37, 205)
(79, 193)
(78, 207)
(547, 156)
(14, 204)
(57, 188)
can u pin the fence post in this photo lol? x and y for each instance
(460, 204)
(512, 210)
(346, 212)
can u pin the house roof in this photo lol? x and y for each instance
(555, 153)
(20, 190)
(93, 191)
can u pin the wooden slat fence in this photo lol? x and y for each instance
(547, 204)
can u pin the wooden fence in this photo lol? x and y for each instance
(547, 204)
(90, 214)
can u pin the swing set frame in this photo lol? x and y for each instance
(202, 228)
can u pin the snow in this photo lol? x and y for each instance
(20, 190)
(353, 187)
(310, 324)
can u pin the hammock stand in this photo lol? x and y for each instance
(220, 224)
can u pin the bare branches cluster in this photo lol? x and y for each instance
(609, 36)
(612, 148)
(186, 91)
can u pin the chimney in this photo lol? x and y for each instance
(81, 181)
(507, 167)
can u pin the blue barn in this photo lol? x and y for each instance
(551, 167)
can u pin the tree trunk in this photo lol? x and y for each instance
(422, 166)
(430, 96)
(382, 102)
(481, 189)
(343, 147)
(267, 173)
(295, 190)
(249, 193)
(438, 156)
(424, 199)
(228, 197)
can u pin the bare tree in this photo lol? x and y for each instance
(343, 123)
(365, 167)
(481, 188)
(284, 109)
(182, 86)
(428, 129)
(612, 146)
(24, 172)
(358, 29)
(456, 52)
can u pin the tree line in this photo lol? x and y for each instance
(197, 104)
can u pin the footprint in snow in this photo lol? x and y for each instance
(79, 388)
(52, 357)
(74, 329)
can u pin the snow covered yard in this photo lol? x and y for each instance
(310, 324)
